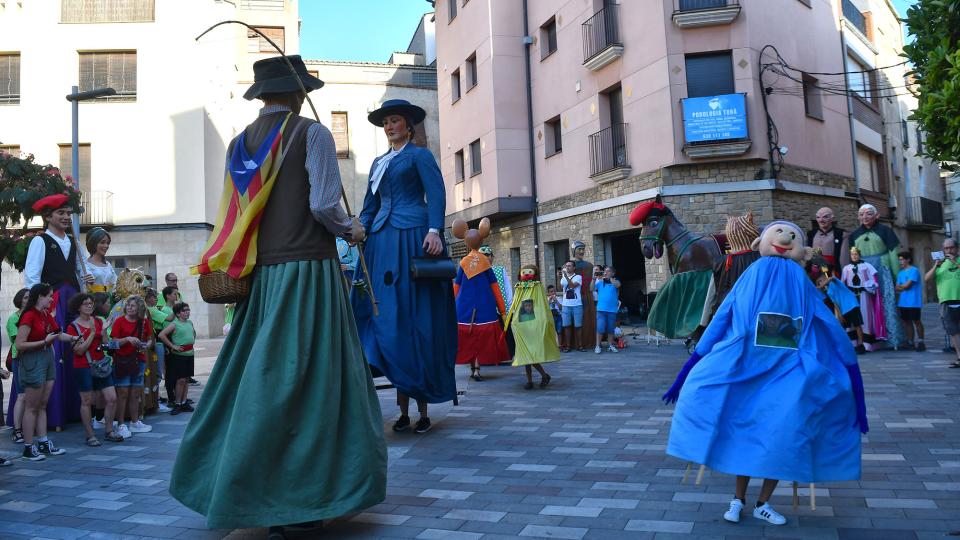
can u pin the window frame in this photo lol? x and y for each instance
(476, 160)
(459, 168)
(121, 96)
(451, 10)
(545, 38)
(553, 132)
(812, 97)
(263, 46)
(455, 91)
(726, 55)
(85, 180)
(108, 11)
(342, 153)
(471, 65)
(11, 98)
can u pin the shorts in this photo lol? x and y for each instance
(131, 381)
(180, 366)
(36, 368)
(86, 382)
(909, 313)
(853, 317)
(572, 315)
(557, 321)
(950, 315)
(606, 322)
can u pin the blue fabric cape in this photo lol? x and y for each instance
(771, 396)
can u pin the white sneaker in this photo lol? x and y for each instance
(140, 427)
(612, 349)
(596, 349)
(96, 424)
(163, 408)
(733, 514)
(768, 514)
(124, 431)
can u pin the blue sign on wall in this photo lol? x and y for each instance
(714, 118)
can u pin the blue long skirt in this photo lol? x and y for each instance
(413, 341)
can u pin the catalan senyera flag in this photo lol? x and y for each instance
(232, 247)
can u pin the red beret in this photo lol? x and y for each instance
(640, 213)
(50, 202)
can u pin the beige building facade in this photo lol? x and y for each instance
(151, 158)
(609, 86)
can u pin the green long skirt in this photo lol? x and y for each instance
(678, 308)
(289, 427)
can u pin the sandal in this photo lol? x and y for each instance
(93, 441)
(475, 375)
(113, 437)
(528, 386)
(955, 364)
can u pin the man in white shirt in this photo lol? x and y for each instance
(572, 307)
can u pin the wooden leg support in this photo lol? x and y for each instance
(796, 497)
(700, 474)
(813, 497)
(686, 473)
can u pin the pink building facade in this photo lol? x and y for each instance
(607, 86)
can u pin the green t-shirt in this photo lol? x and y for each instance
(12, 321)
(158, 316)
(948, 281)
(183, 334)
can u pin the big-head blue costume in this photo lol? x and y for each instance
(773, 388)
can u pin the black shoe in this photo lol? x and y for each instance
(860, 349)
(47, 448)
(276, 533)
(921, 347)
(192, 382)
(17, 436)
(528, 386)
(544, 381)
(402, 423)
(175, 410)
(4, 462)
(423, 425)
(30, 453)
(186, 407)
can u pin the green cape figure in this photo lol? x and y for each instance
(532, 322)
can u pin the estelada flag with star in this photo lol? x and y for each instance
(232, 247)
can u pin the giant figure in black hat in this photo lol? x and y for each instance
(293, 349)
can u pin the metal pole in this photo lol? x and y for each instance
(75, 172)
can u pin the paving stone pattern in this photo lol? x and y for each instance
(582, 459)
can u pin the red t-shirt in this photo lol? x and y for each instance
(41, 323)
(124, 328)
(80, 360)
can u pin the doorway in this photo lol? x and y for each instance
(622, 250)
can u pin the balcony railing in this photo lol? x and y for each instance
(924, 213)
(608, 149)
(690, 5)
(854, 17)
(601, 33)
(97, 208)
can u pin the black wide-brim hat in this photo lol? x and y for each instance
(397, 106)
(272, 76)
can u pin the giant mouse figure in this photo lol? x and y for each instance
(773, 388)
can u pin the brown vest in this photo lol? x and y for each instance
(288, 230)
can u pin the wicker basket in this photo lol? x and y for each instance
(220, 288)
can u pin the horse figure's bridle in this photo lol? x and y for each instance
(683, 249)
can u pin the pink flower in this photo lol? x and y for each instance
(68, 178)
(53, 171)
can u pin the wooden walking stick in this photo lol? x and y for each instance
(343, 193)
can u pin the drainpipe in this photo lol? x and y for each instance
(528, 41)
(853, 135)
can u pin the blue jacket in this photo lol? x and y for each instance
(411, 177)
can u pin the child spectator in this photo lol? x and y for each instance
(910, 301)
(179, 337)
(131, 336)
(90, 331)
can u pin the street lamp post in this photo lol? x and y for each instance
(75, 97)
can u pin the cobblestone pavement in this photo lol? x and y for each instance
(581, 459)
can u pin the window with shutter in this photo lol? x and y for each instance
(459, 173)
(106, 11)
(709, 74)
(548, 38)
(10, 78)
(114, 69)
(12, 149)
(455, 86)
(256, 43)
(471, 71)
(66, 164)
(812, 102)
(341, 133)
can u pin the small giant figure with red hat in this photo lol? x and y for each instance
(52, 258)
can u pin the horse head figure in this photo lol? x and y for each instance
(662, 233)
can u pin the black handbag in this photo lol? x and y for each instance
(432, 269)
